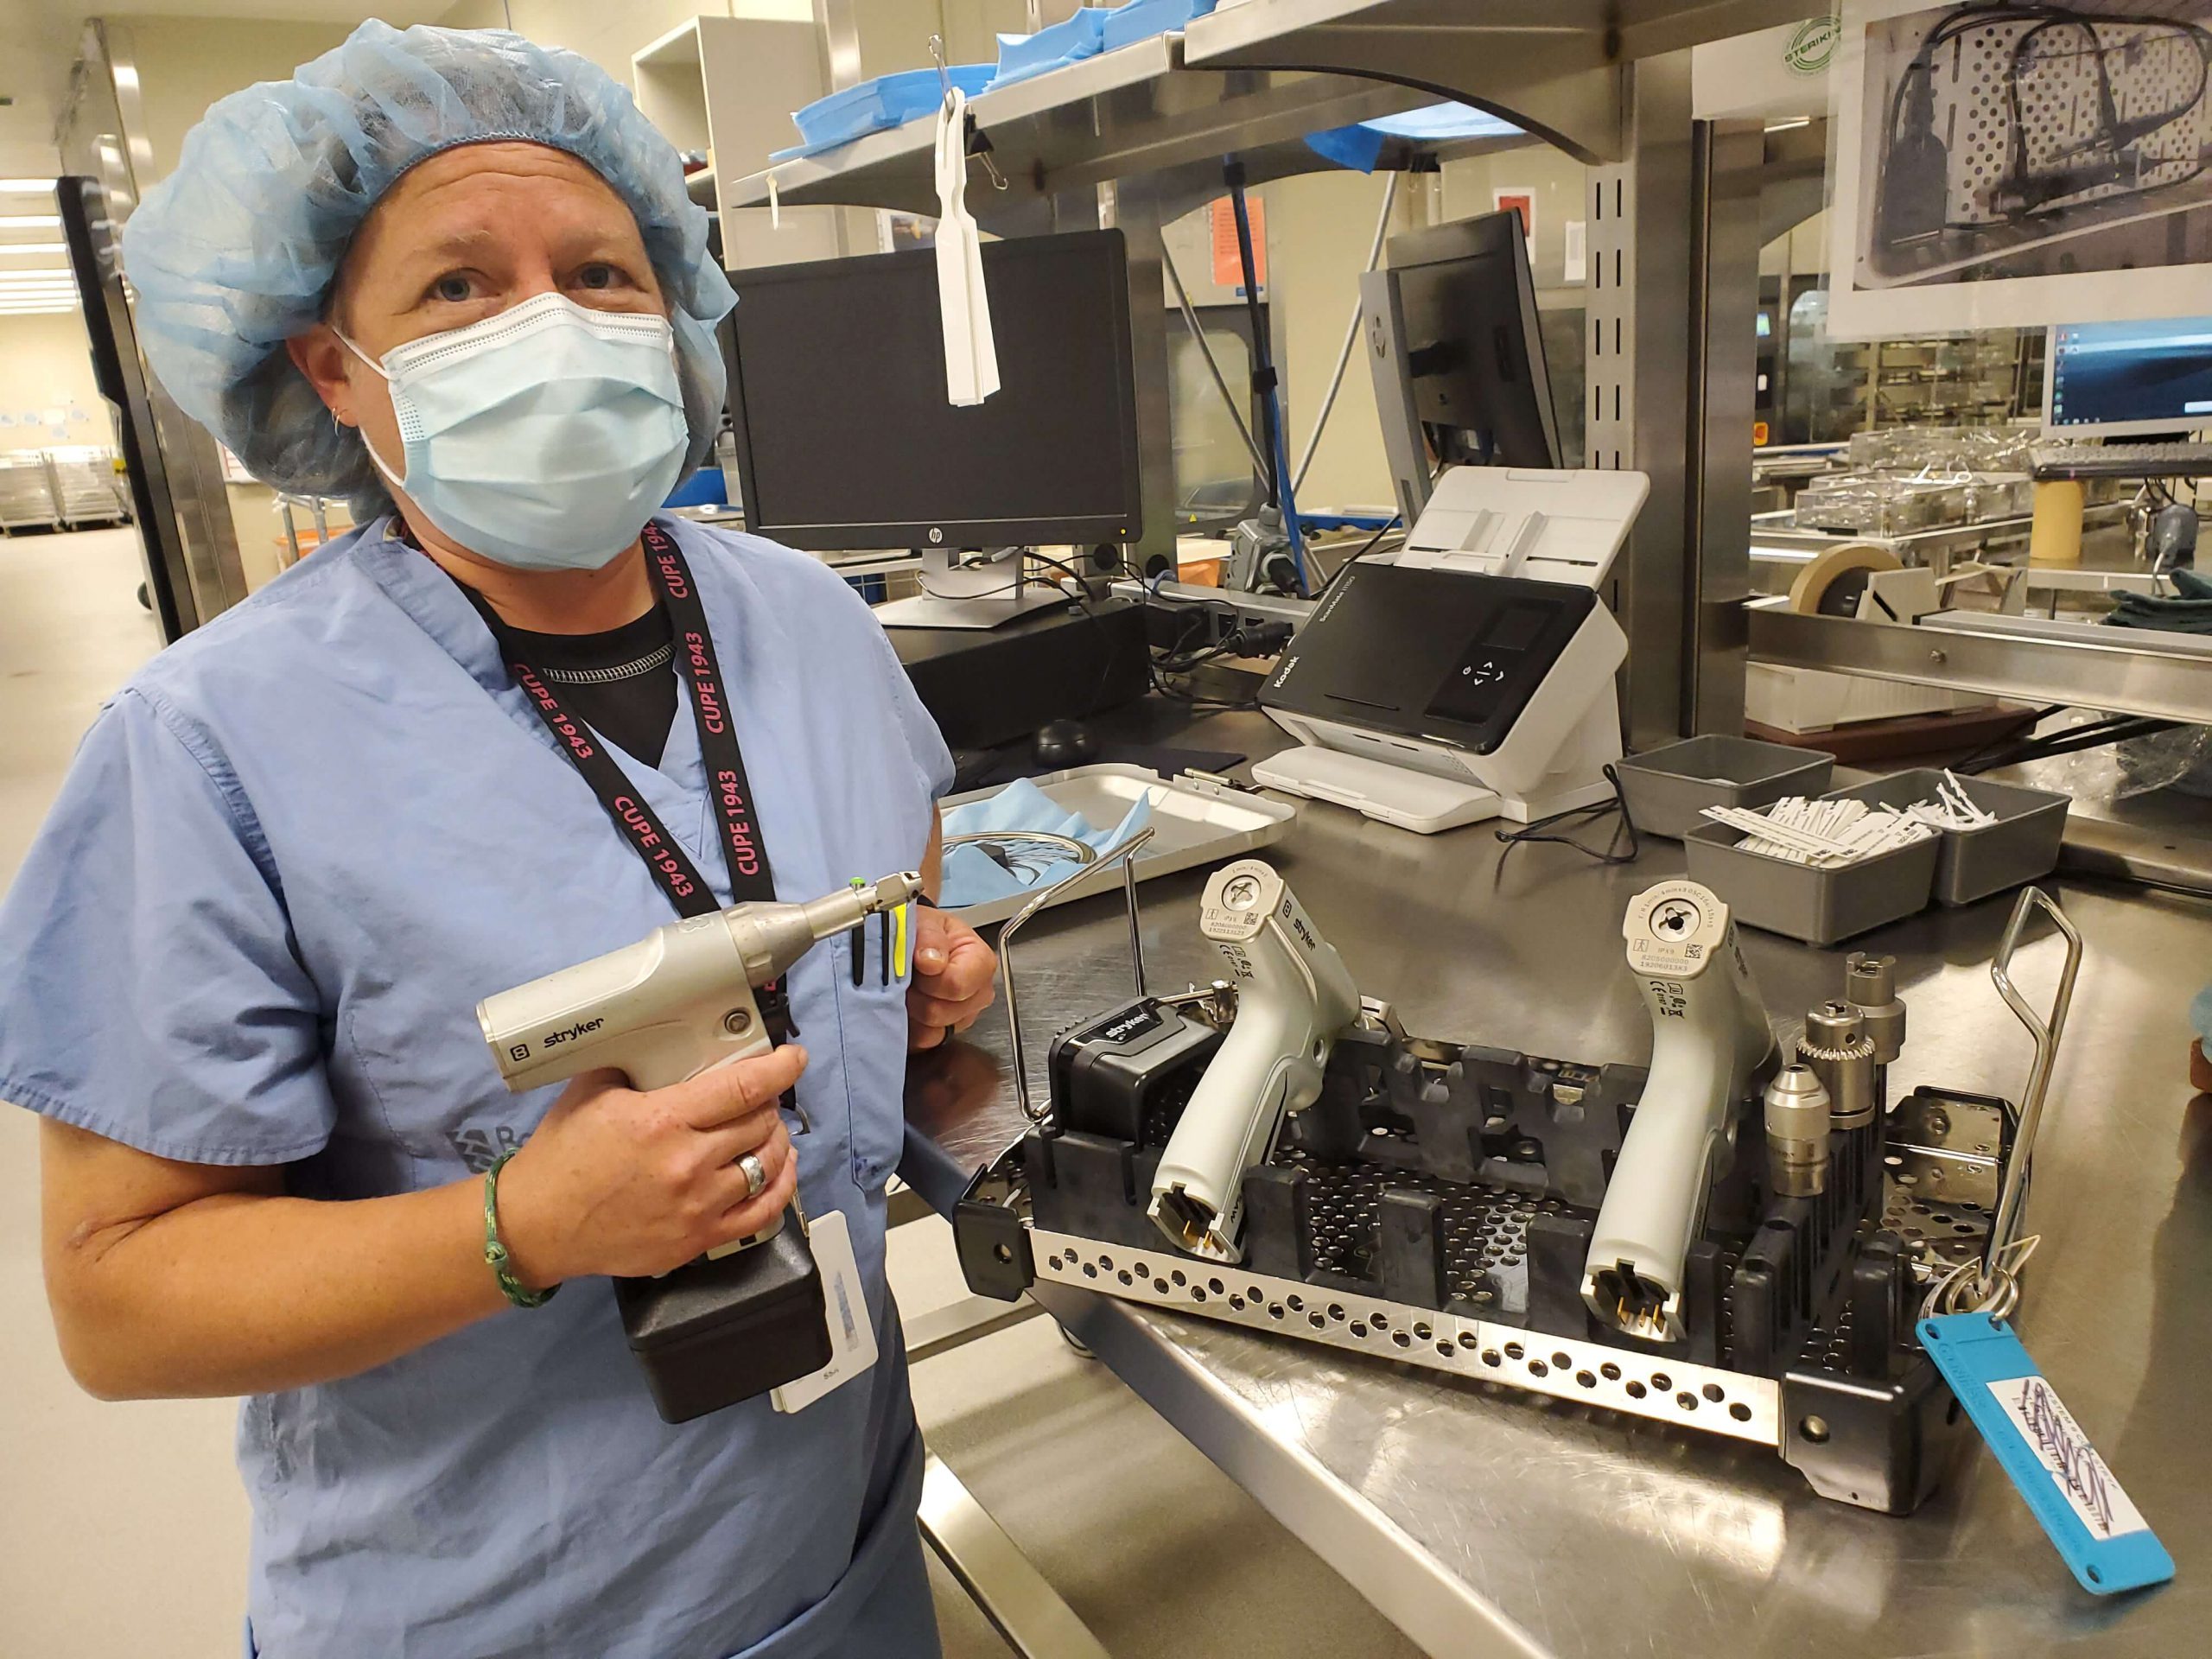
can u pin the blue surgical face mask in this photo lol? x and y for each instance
(543, 437)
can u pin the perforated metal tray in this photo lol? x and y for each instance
(1196, 819)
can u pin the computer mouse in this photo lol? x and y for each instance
(1063, 743)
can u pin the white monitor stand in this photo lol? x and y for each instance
(981, 595)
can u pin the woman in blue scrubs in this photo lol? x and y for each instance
(457, 277)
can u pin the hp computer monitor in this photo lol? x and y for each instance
(845, 440)
(2122, 380)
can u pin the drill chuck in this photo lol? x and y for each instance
(1869, 986)
(1836, 1047)
(772, 937)
(1797, 1133)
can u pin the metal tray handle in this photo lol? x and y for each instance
(1122, 854)
(2047, 1032)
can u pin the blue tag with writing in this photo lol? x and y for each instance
(2103, 1538)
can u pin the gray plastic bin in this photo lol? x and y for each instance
(2022, 845)
(1818, 906)
(1668, 789)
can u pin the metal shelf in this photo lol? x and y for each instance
(26, 491)
(1131, 110)
(1254, 79)
(1551, 66)
(2117, 671)
(1330, 32)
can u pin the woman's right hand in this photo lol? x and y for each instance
(626, 1183)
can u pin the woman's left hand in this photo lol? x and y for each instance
(954, 973)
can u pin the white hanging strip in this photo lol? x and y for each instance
(971, 359)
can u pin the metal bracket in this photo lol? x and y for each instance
(1122, 854)
(2046, 1032)
(1991, 1284)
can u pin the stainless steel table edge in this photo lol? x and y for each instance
(1399, 1578)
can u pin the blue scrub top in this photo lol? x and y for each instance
(290, 859)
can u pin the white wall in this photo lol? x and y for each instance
(605, 31)
(1319, 228)
(185, 64)
(1558, 182)
(46, 367)
(894, 34)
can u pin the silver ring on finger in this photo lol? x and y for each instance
(756, 1175)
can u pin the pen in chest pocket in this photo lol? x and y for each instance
(890, 944)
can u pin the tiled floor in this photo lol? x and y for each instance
(123, 1527)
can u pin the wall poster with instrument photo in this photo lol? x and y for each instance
(2017, 165)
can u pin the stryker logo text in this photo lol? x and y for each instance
(582, 1028)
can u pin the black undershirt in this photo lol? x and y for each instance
(622, 681)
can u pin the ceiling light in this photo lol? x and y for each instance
(26, 186)
(34, 247)
(30, 221)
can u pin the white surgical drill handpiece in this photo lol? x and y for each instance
(1709, 1036)
(1294, 996)
(676, 1004)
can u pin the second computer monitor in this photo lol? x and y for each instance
(1474, 353)
(2128, 379)
(845, 439)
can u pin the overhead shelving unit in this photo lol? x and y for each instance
(1254, 79)
(1129, 112)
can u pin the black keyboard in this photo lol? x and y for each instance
(2122, 461)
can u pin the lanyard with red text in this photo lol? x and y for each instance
(743, 850)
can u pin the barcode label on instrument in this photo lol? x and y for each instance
(2082, 1477)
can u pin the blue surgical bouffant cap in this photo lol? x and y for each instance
(235, 252)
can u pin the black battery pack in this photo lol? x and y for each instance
(1125, 1075)
(715, 1333)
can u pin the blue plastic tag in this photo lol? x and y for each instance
(2102, 1537)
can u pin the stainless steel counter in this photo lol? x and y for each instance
(1484, 1521)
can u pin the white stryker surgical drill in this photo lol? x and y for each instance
(676, 1004)
(1709, 1036)
(1294, 996)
